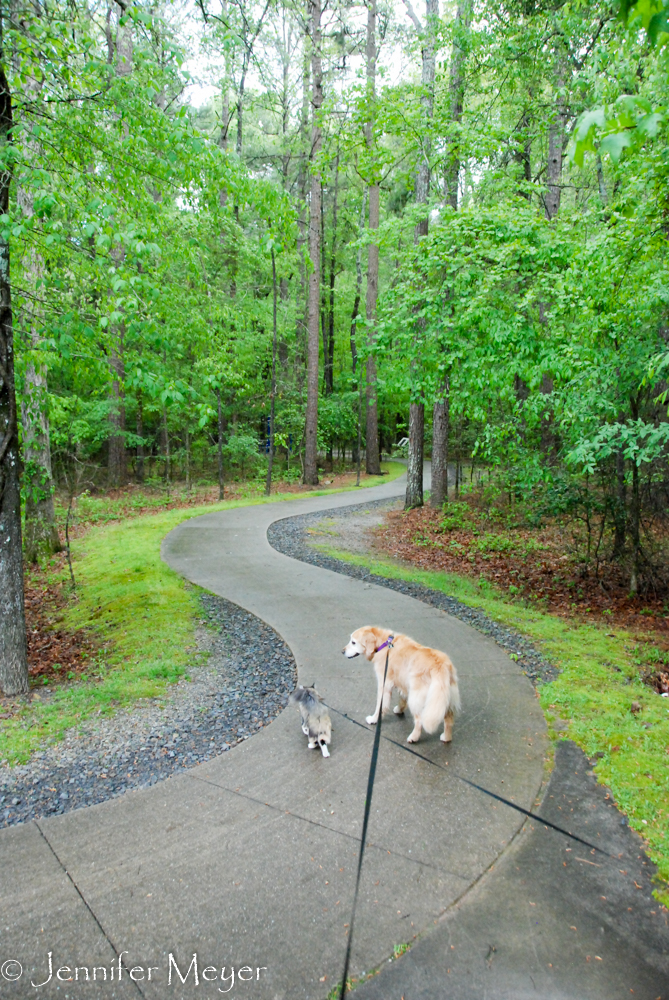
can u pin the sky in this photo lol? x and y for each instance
(394, 63)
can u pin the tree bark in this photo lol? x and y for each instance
(620, 508)
(428, 72)
(372, 463)
(270, 461)
(166, 444)
(139, 464)
(549, 444)
(302, 305)
(311, 423)
(635, 530)
(41, 532)
(358, 287)
(456, 90)
(329, 343)
(556, 131)
(440, 421)
(414, 494)
(117, 469)
(414, 490)
(13, 651)
(223, 136)
(221, 483)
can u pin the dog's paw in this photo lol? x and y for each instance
(370, 720)
(311, 746)
(413, 739)
(444, 739)
(398, 711)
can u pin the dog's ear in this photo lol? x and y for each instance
(369, 642)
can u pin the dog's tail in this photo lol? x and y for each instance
(443, 696)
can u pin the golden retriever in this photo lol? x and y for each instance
(425, 678)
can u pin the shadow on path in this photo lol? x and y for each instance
(550, 919)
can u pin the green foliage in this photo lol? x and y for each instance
(456, 517)
(242, 450)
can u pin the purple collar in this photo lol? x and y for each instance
(388, 642)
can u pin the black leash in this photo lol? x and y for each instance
(365, 822)
(480, 788)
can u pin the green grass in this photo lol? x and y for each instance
(142, 613)
(593, 694)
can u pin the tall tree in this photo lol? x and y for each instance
(13, 650)
(414, 490)
(556, 135)
(456, 92)
(372, 432)
(41, 532)
(311, 422)
(117, 467)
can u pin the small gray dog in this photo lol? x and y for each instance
(316, 722)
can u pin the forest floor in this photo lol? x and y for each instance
(135, 500)
(543, 566)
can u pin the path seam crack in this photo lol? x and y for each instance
(86, 903)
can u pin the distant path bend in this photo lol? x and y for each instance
(249, 858)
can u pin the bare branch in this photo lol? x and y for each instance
(414, 17)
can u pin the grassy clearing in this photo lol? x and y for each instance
(594, 694)
(142, 612)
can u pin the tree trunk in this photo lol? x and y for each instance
(523, 156)
(554, 193)
(302, 305)
(414, 493)
(456, 90)
(440, 414)
(549, 445)
(117, 459)
(372, 463)
(13, 652)
(270, 461)
(223, 136)
(358, 286)
(221, 484)
(556, 132)
(635, 530)
(117, 471)
(166, 445)
(328, 360)
(428, 71)
(311, 423)
(139, 460)
(620, 508)
(41, 533)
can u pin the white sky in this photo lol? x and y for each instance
(394, 63)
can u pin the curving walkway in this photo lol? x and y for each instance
(249, 859)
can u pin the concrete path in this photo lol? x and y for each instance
(249, 860)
